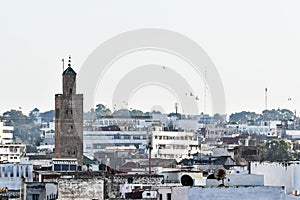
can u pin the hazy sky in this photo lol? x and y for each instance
(253, 44)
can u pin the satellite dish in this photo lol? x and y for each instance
(186, 180)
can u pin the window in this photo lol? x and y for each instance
(71, 90)
(67, 112)
(169, 196)
(26, 171)
(35, 196)
(71, 112)
(97, 146)
(127, 137)
(136, 137)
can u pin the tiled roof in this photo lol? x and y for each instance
(69, 71)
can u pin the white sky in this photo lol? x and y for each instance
(254, 44)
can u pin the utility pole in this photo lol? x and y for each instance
(63, 64)
(200, 146)
(149, 147)
(205, 86)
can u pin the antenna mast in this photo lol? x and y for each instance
(176, 108)
(205, 75)
(266, 99)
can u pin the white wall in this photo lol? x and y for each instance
(180, 193)
(295, 134)
(11, 175)
(233, 193)
(279, 174)
(238, 180)
(164, 191)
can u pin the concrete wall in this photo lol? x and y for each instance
(180, 193)
(279, 174)
(80, 189)
(238, 180)
(51, 190)
(175, 177)
(34, 191)
(138, 179)
(163, 191)
(236, 193)
(38, 190)
(118, 183)
(11, 175)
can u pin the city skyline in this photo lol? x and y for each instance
(253, 45)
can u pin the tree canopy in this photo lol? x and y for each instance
(277, 151)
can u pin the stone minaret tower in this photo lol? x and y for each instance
(69, 119)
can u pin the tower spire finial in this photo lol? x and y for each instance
(63, 64)
(69, 64)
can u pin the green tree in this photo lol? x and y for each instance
(90, 115)
(122, 113)
(217, 118)
(277, 150)
(25, 130)
(102, 111)
(17, 116)
(48, 116)
(136, 113)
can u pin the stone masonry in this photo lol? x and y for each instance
(69, 119)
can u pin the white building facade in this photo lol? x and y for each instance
(47, 136)
(11, 174)
(12, 153)
(279, 174)
(95, 141)
(170, 144)
(6, 133)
